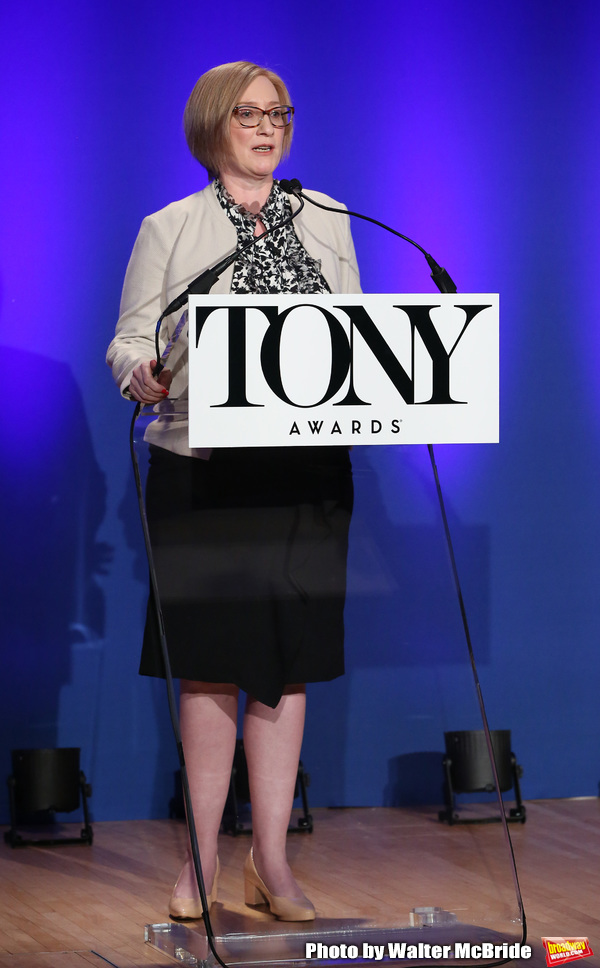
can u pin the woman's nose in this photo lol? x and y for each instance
(266, 125)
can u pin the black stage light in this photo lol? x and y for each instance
(44, 782)
(467, 769)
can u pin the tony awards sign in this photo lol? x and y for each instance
(283, 370)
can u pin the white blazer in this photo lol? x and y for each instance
(179, 242)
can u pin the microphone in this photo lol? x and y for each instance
(438, 274)
(203, 283)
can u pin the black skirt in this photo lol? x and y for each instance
(250, 552)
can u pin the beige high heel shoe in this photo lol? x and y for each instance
(284, 908)
(190, 908)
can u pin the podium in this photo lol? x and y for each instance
(284, 371)
(288, 370)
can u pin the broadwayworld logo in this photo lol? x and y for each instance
(561, 950)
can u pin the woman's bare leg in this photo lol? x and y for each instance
(272, 742)
(208, 713)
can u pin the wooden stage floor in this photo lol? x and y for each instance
(73, 906)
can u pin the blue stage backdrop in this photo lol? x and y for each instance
(471, 127)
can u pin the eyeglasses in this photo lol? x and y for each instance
(251, 117)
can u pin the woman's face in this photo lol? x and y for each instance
(255, 152)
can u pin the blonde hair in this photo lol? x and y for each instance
(207, 114)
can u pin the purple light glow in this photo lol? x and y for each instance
(473, 129)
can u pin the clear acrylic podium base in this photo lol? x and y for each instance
(328, 942)
(379, 878)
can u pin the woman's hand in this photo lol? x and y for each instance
(146, 388)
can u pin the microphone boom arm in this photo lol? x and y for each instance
(202, 285)
(438, 274)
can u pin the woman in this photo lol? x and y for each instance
(265, 528)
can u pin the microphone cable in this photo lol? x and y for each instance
(171, 699)
(200, 286)
(445, 285)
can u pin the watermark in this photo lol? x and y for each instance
(560, 950)
(400, 951)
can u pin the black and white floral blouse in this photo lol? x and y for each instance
(279, 263)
